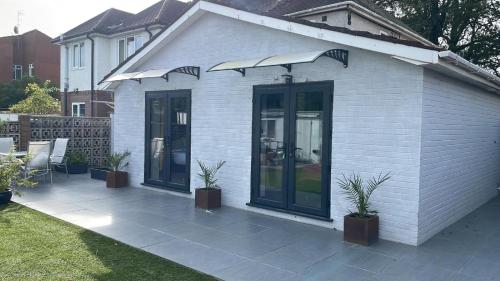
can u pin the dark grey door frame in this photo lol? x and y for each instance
(287, 205)
(165, 97)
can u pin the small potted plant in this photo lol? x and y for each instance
(361, 227)
(11, 176)
(76, 161)
(99, 173)
(209, 196)
(117, 178)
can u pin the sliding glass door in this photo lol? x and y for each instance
(291, 147)
(167, 141)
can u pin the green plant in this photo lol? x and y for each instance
(76, 158)
(117, 161)
(208, 172)
(359, 194)
(11, 175)
(3, 127)
(39, 100)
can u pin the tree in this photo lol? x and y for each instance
(14, 91)
(470, 28)
(39, 100)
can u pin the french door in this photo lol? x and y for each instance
(168, 139)
(291, 147)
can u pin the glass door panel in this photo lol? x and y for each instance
(308, 147)
(156, 139)
(178, 139)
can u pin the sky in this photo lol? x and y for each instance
(54, 17)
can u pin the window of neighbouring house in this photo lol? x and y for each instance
(76, 52)
(78, 109)
(17, 72)
(127, 46)
(30, 70)
(81, 61)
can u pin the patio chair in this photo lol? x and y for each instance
(6, 145)
(57, 158)
(38, 162)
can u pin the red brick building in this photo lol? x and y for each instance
(29, 54)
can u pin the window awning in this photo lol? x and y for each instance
(285, 61)
(155, 73)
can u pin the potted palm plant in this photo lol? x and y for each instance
(209, 196)
(11, 176)
(361, 227)
(76, 161)
(116, 177)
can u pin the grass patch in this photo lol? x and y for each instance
(35, 246)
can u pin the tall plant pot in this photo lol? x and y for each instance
(362, 231)
(208, 198)
(5, 196)
(115, 179)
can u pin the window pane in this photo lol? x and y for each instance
(138, 42)
(75, 56)
(130, 46)
(82, 54)
(121, 51)
(82, 110)
(75, 109)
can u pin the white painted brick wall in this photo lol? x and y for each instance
(460, 152)
(376, 115)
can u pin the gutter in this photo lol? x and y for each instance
(468, 66)
(91, 74)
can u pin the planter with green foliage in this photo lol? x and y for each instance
(117, 178)
(362, 226)
(209, 196)
(77, 163)
(11, 177)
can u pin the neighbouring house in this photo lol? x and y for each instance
(292, 104)
(28, 54)
(93, 48)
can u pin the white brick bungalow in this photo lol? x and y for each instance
(429, 117)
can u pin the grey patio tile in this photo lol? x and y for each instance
(299, 255)
(404, 270)
(448, 246)
(194, 255)
(243, 228)
(450, 261)
(392, 249)
(52, 206)
(252, 271)
(481, 269)
(337, 271)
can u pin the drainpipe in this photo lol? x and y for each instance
(66, 80)
(149, 32)
(91, 75)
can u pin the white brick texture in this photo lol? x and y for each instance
(460, 154)
(377, 115)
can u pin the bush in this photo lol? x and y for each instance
(39, 100)
(76, 158)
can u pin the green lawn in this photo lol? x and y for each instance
(34, 246)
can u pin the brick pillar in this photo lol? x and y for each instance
(24, 131)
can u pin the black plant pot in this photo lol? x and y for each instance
(99, 173)
(5, 196)
(74, 169)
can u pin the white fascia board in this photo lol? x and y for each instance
(454, 70)
(394, 49)
(414, 62)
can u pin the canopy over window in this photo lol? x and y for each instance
(155, 73)
(285, 61)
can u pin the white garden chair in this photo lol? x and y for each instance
(57, 158)
(6, 145)
(38, 159)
